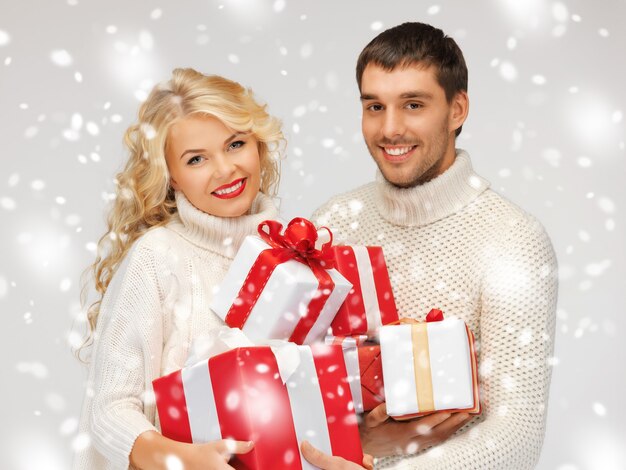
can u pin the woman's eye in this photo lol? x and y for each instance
(194, 160)
(237, 144)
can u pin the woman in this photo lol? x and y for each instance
(203, 165)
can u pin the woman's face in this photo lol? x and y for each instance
(217, 169)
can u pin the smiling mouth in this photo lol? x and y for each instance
(397, 153)
(231, 190)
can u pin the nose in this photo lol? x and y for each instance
(223, 167)
(393, 124)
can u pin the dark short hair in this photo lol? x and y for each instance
(412, 43)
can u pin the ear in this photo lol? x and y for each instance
(174, 184)
(458, 110)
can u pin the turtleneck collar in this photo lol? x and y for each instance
(438, 198)
(222, 235)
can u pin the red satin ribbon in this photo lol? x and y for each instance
(434, 315)
(296, 243)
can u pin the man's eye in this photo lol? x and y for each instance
(414, 106)
(375, 107)
(237, 144)
(194, 160)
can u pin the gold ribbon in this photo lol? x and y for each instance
(421, 366)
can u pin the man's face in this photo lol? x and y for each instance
(408, 124)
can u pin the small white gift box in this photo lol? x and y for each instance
(429, 366)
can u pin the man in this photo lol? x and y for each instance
(451, 243)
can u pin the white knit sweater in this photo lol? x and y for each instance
(156, 304)
(454, 244)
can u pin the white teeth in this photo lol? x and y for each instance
(222, 192)
(397, 151)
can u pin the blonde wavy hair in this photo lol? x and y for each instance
(144, 197)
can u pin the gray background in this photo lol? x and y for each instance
(546, 127)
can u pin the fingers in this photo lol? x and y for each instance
(229, 447)
(315, 456)
(450, 425)
(424, 426)
(325, 461)
(368, 461)
(377, 416)
(223, 466)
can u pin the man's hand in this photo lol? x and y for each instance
(382, 436)
(329, 462)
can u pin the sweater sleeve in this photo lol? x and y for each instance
(517, 324)
(128, 346)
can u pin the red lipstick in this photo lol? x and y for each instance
(228, 191)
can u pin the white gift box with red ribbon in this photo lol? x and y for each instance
(277, 289)
(276, 396)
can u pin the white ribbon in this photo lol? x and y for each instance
(218, 341)
(224, 339)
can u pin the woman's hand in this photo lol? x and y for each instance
(154, 451)
(328, 462)
(213, 455)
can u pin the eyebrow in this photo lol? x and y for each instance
(406, 95)
(235, 135)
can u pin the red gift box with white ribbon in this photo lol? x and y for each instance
(274, 396)
(370, 303)
(364, 367)
(281, 286)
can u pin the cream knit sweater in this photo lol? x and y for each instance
(157, 303)
(454, 244)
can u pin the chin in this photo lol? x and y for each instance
(238, 210)
(235, 214)
(394, 178)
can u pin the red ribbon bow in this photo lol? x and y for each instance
(296, 243)
(299, 240)
(434, 315)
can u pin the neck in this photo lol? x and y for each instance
(444, 194)
(223, 235)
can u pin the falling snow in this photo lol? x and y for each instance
(61, 57)
(36, 369)
(508, 71)
(549, 134)
(5, 38)
(433, 10)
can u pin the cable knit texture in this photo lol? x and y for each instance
(456, 245)
(156, 304)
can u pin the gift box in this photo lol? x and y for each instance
(429, 366)
(370, 303)
(260, 393)
(280, 286)
(364, 367)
